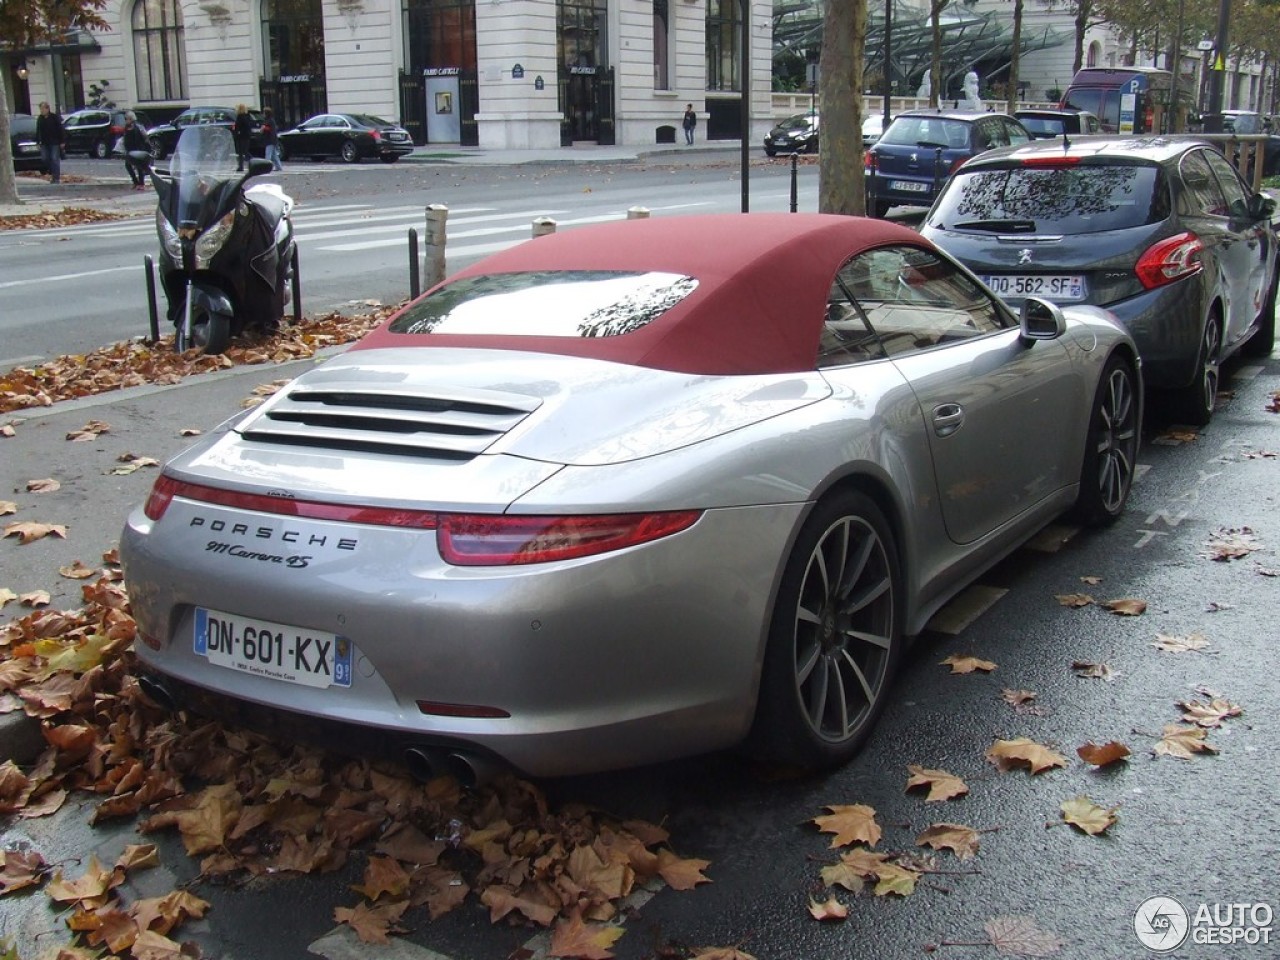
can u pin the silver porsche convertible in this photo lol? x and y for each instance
(630, 492)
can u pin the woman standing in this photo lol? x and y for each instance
(690, 121)
(269, 138)
(241, 131)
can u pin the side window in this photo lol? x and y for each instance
(1233, 188)
(912, 299)
(1203, 192)
(1015, 133)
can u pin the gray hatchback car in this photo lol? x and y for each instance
(1162, 232)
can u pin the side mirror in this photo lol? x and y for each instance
(1261, 206)
(1041, 320)
(257, 167)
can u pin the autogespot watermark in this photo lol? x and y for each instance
(1163, 924)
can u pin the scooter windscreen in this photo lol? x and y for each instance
(203, 176)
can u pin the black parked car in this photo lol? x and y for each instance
(1044, 124)
(1163, 233)
(351, 136)
(922, 148)
(95, 131)
(165, 137)
(798, 134)
(22, 139)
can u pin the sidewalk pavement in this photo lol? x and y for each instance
(111, 193)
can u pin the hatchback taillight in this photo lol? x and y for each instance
(870, 160)
(1171, 259)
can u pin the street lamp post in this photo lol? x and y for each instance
(746, 104)
(888, 53)
(1218, 74)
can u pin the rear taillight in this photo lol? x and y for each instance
(476, 540)
(467, 540)
(1171, 259)
(1049, 161)
(870, 158)
(116, 130)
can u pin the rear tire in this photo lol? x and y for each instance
(157, 149)
(1197, 400)
(1263, 340)
(102, 150)
(1111, 447)
(834, 637)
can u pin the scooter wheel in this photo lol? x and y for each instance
(210, 332)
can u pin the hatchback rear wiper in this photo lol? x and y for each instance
(998, 226)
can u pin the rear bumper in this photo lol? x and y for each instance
(879, 187)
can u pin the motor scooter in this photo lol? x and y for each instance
(228, 260)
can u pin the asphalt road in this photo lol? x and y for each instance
(70, 290)
(1199, 830)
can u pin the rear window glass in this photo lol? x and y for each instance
(587, 303)
(1067, 200)
(1043, 125)
(927, 131)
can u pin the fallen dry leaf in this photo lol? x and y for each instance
(372, 924)
(34, 598)
(681, 873)
(968, 664)
(1100, 756)
(1021, 937)
(942, 785)
(844, 875)
(77, 571)
(1182, 743)
(383, 875)
(1210, 714)
(90, 431)
(720, 953)
(829, 909)
(28, 532)
(1007, 754)
(893, 878)
(19, 869)
(6, 595)
(851, 823)
(1087, 670)
(1016, 698)
(48, 485)
(1231, 543)
(1091, 580)
(1171, 644)
(190, 432)
(1085, 815)
(1126, 607)
(1074, 599)
(7, 507)
(574, 937)
(961, 840)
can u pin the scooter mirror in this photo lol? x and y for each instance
(258, 166)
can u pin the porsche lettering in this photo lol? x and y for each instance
(295, 537)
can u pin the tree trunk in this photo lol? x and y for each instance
(841, 186)
(1083, 8)
(1013, 58)
(8, 182)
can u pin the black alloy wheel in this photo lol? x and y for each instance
(349, 152)
(834, 639)
(1199, 398)
(1111, 446)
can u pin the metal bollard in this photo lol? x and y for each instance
(415, 278)
(151, 299)
(437, 218)
(795, 194)
(542, 226)
(637, 213)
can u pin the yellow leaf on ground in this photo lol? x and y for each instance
(7, 507)
(574, 937)
(851, 823)
(961, 840)
(1210, 714)
(1127, 607)
(6, 595)
(843, 875)
(720, 953)
(30, 531)
(968, 664)
(1100, 756)
(77, 571)
(829, 909)
(94, 882)
(1007, 754)
(681, 873)
(1083, 814)
(892, 878)
(942, 785)
(383, 875)
(1182, 742)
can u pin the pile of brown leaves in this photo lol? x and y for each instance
(66, 217)
(132, 363)
(249, 806)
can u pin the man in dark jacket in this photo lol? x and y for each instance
(241, 132)
(134, 143)
(50, 136)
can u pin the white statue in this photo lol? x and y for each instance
(926, 85)
(971, 99)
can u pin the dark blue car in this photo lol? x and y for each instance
(922, 148)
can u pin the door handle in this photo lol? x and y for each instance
(947, 418)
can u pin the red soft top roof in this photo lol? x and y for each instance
(761, 300)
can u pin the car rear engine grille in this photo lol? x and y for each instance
(456, 424)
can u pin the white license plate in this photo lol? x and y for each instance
(1051, 288)
(262, 648)
(909, 186)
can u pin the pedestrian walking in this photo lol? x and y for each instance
(51, 136)
(690, 121)
(241, 131)
(134, 140)
(269, 139)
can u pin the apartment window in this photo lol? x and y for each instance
(158, 50)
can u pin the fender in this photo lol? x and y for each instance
(211, 297)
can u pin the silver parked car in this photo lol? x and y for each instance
(630, 492)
